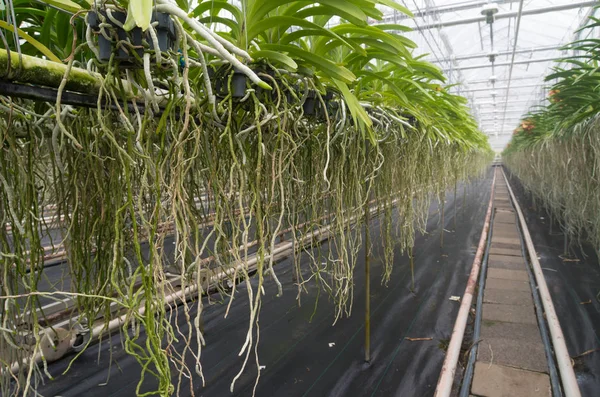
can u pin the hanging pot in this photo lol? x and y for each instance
(261, 92)
(238, 82)
(107, 47)
(165, 32)
(310, 103)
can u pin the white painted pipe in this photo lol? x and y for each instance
(565, 367)
(446, 379)
(192, 288)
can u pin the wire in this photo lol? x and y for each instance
(512, 62)
(423, 34)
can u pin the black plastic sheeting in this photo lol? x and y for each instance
(303, 354)
(574, 284)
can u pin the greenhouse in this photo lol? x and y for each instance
(299, 198)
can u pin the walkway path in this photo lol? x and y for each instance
(511, 359)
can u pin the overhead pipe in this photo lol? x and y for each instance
(444, 385)
(487, 65)
(510, 14)
(470, 367)
(512, 61)
(441, 10)
(487, 81)
(565, 367)
(499, 88)
(67, 339)
(517, 101)
(502, 53)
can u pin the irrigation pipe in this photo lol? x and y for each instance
(539, 312)
(444, 385)
(177, 296)
(465, 388)
(567, 374)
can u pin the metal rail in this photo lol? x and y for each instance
(446, 379)
(511, 14)
(567, 374)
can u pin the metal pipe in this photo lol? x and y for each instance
(487, 108)
(468, 376)
(539, 312)
(511, 14)
(520, 111)
(512, 61)
(503, 53)
(567, 374)
(367, 285)
(45, 94)
(486, 65)
(499, 88)
(444, 385)
(487, 81)
(512, 101)
(442, 10)
(280, 251)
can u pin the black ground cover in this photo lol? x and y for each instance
(574, 283)
(303, 354)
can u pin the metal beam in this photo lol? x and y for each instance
(510, 14)
(500, 88)
(486, 65)
(441, 10)
(487, 109)
(500, 112)
(502, 53)
(537, 76)
(509, 120)
(511, 124)
(515, 101)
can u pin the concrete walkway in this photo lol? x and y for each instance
(510, 358)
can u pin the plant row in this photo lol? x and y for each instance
(555, 151)
(280, 112)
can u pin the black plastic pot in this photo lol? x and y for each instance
(165, 32)
(289, 96)
(238, 82)
(107, 47)
(261, 92)
(310, 103)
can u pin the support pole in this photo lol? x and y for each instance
(367, 269)
(563, 359)
(446, 379)
(367, 285)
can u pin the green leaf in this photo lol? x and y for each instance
(215, 6)
(359, 115)
(275, 56)
(394, 26)
(38, 46)
(46, 32)
(285, 22)
(323, 65)
(141, 12)
(183, 4)
(396, 6)
(262, 8)
(328, 13)
(390, 84)
(66, 5)
(63, 28)
(233, 25)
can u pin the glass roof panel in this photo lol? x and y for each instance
(525, 36)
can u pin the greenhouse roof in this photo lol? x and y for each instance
(526, 37)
